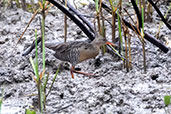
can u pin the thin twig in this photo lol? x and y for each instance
(35, 13)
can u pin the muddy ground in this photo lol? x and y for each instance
(114, 91)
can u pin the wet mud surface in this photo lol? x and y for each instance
(114, 91)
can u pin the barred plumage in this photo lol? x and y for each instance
(78, 51)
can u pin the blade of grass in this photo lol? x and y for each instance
(43, 56)
(33, 66)
(36, 66)
(53, 81)
(97, 5)
(43, 33)
(120, 34)
(45, 84)
(143, 44)
(111, 4)
(117, 52)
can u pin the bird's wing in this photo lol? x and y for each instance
(68, 52)
(68, 47)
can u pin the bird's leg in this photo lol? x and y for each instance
(73, 70)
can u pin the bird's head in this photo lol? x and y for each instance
(100, 41)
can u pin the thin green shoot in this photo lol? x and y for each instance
(36, 65)
(44, 86)
(43, 36)
(97, 5)
(120, 32)
(142, 16)
(38, 77)
(42, 96)
(117, 52)
(54, 78)
(114, 5)
(33, 66)
(111, 4)
(142, 34)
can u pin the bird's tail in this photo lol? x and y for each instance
(30, 48)
(50, 45)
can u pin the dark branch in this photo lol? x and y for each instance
(74, 19)
(147, 36)
(80, 16)
(137, 13)
(160, 14)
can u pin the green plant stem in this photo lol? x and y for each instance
(143, 43)
(43, 35)
(40, 96)
(38, 77)
(33, 66)
(43, 48)
(53, 81)
(45, 84)
(97, 5)
(120, 33)
(111, 4)
(117, 52)
(36, 66)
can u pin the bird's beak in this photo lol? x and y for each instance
(110, 43)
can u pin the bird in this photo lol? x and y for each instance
(78, 51)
